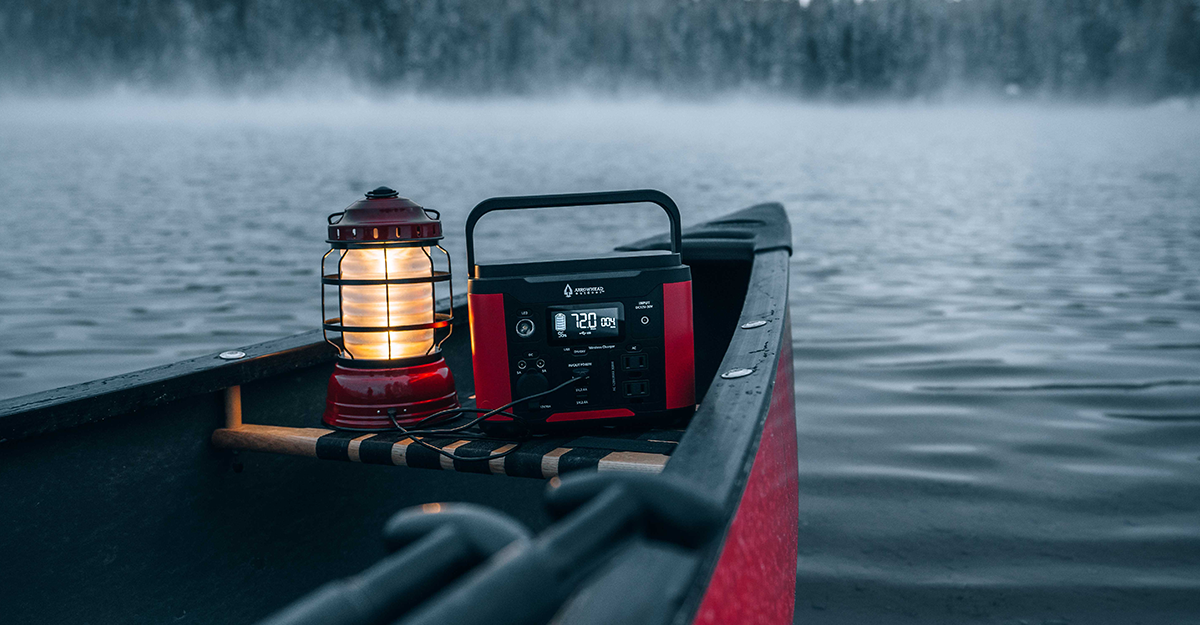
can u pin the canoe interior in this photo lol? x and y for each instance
(136, 517)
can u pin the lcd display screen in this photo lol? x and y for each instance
(599, 322)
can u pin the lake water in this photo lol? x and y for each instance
(996, 310)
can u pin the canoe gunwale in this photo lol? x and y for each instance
(720, 423)
(78, 404)
(758, 349)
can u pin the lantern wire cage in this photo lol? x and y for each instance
(335, 329)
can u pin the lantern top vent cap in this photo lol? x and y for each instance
(380, 193)
(382, 216)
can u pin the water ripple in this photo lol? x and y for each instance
(1110, 386)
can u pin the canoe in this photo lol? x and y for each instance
(208, 491)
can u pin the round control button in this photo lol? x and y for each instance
(541, 364)
(521, 364)
(525, 328)
(645, 320)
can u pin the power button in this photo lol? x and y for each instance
(525, 328)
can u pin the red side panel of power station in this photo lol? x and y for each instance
(679, 350)
(489, 350)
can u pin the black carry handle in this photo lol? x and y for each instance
(572, 199)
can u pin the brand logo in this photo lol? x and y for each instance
(583, 290)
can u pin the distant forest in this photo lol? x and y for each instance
(834, 49)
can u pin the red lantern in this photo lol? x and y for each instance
(380, 272)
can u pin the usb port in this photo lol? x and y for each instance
(637, 388)
(633, 361)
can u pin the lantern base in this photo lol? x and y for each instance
(360, 399)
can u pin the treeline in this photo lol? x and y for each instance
(1141, 49)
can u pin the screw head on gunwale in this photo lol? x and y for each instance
(734, 374)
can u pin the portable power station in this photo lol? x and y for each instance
(612, 335)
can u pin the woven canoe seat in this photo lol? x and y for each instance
(543, 457)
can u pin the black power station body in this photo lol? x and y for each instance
(620, 325)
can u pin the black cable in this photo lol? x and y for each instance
(457, 431)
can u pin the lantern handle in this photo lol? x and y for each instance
(573, 199)
(339, 216)
(436, 213)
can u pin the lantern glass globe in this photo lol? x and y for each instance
(387, 305)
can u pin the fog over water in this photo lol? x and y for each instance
(996, 309)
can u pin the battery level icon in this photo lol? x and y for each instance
(560, 322)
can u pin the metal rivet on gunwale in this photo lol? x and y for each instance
(232, 354)
(733, 374)
(753, 324)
